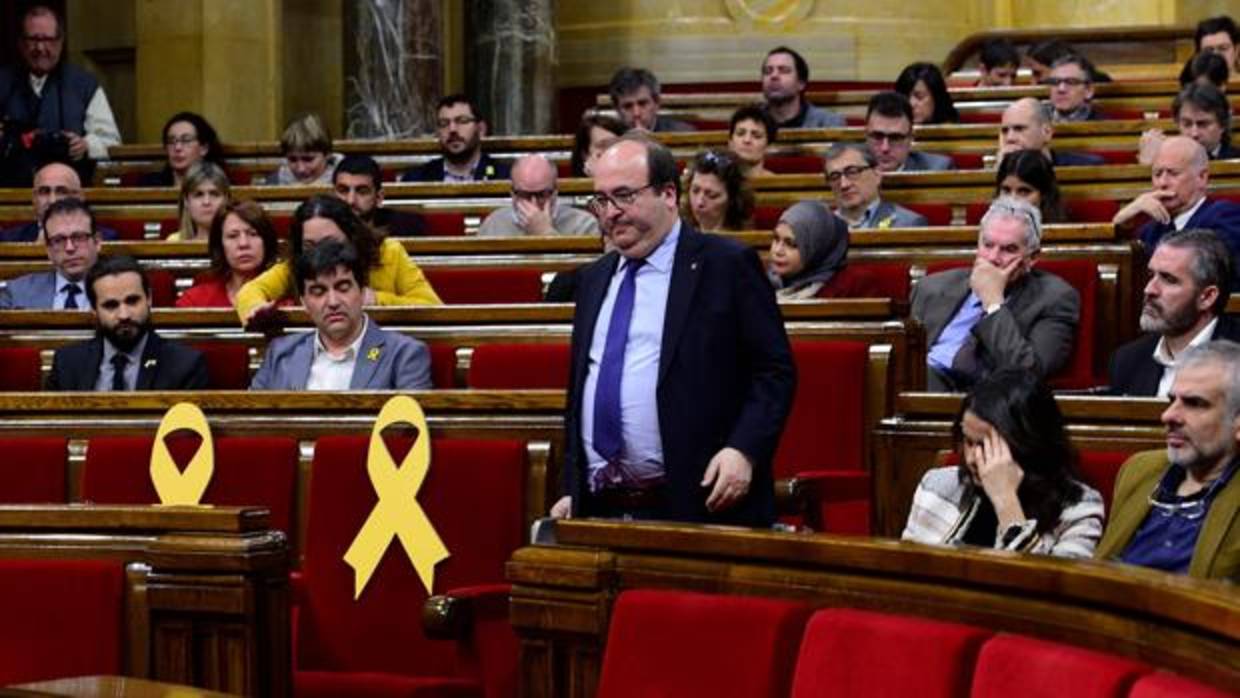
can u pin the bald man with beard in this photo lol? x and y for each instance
(536, 208)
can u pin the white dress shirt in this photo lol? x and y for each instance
(642, 460)
(1182, 220)
(1163, 357)
(329, 372)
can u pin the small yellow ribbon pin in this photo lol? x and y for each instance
(397, 512)
(373, 354)
(174, 486)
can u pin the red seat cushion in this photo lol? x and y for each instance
(1091, 210)
(126, 228)
(794, 164)
(33, 470)
(1164, 685)
(765, 217)
(20, 369)
(443, 365)
(444, 223)
(1099, 469)
(848, 653)
(968, 161)
(381, 632)
(936, 214)
(519, 366)
(690, 645)
(493, 285)
(228, 365)
(1012, 666)
(163, 288)
(869, 280)
(249, 471)
(62, 618)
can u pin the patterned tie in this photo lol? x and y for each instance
(71, 293)
(608, 437)
(119, 361)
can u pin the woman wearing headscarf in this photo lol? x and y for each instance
(809, 246)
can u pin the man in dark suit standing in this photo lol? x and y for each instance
(460, 128)
(681, 376)
(1189, 282)
(126, 354)
(1181, 178)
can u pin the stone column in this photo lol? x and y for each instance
(511, 59)
(393, 51)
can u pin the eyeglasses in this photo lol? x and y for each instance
(78, 239)
(1069, 82)
(621, 198)
(1190, 510)
(539, 196)
(892, 137)
(459, 121)
(38, 39)
(851, 172)
(58, 191)
(173, 141)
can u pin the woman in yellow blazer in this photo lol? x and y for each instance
(394, 278)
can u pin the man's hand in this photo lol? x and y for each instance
(1151, 140)
(537, 220)
(1150, 203)
(77, 145)
(989, 281)
(563, 508)
(265, 318)
(730, 471)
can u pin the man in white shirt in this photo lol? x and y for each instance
(1189, 282)
(345, 351)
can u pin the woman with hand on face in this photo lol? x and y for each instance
(188, 140)
(808, 248)
(716, 195)
(750, 133)
(394, 278)
(242, 244)
(926, 90)
(203, 193)
(1029, 175)
(1015, 488)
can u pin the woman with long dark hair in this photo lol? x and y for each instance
(1029, 175)
(715, 193)
(1015, 487)
(926, 90)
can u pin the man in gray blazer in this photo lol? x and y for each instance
(1001, 312)
(889, 133)
(72, 243)
(346, 351)
(853, 173)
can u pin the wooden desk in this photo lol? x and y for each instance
(109, 687)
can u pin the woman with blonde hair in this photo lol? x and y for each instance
(204, 191)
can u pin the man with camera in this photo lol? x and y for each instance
(52, 110)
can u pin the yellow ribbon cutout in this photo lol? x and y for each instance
(397, 513)
(174, 486)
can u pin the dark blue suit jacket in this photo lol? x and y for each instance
(488, 169)
(726, 375)
(166, 365)
(1223, 217)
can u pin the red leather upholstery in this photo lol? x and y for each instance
(163, 288)
(62, 618)
(228, 365)
(765, 217)
(474, 497)
(20, 369)
(443, 365)
(249, 471)
(126, 228)
(444, 223)
(980, 117)
(494, 285)
(1012, 666)
(519, 366)
(794, 164)
(936, 214)
(869, 280)
(1091, 210)
(968, 161)
(1099, 469)
(689, 645)
(1164, 685)
(848, 652)
(33, 470)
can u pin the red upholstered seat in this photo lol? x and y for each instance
(849, 653)
(494, 285)
(968, 161)
(519, 366)
(1099, 469)
(1012, 666)
(126, 228)
(443, 365)
(249, 471)
(61, 618)
(163, 288)
(980, 117)
(444, 222)
(1077, 210)
(829, 409)
(228, 365)
(794, 164)
(20, 369)
(765, 217)
(474, 497)
(936, 214)
(1164, 685)
(869, 280)
(33, 470)
(281, 222)
(689, 645)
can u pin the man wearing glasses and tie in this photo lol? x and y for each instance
(1176, 510)
(535, 208)
(681, 374)
(72, 243)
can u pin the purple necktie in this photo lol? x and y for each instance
(608, 438)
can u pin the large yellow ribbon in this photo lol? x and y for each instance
(176, 487)
(397, 513)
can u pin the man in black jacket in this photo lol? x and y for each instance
(1189, 282)
(125, 354)
(460, 128)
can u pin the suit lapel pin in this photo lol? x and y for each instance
(693, 266)
(373, 354)
(149, 363)
(886, 222)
